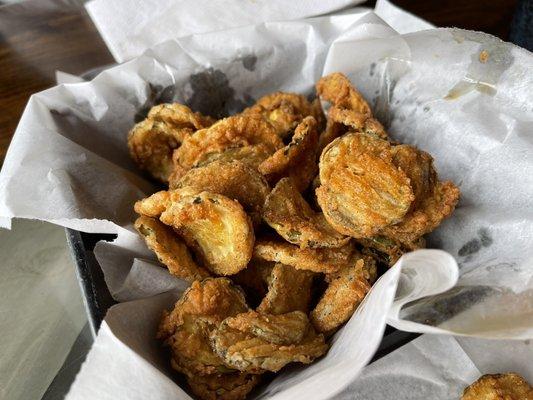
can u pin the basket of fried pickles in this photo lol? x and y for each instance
(280, 217)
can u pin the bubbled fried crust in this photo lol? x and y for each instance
(233, 179)
(285, 111)
(185, 329)
(216, 227)
(316, 260)
(337, 89)
(508, 386)
(361, 190)
(296, 160)
(169, 249)
(234, 132)
(231, 386)
(346, 289)
(290, 215)
(255, 343)
(289, 290)
(152, 142)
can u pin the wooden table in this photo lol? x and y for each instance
(37, 37)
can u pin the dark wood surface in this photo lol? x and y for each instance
(37, 37)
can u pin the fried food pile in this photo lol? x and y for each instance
(279, 217)
(508, 386)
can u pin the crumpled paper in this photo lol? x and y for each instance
(68, 164)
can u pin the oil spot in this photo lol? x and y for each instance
(426, 109)
(485, 237)
(376, 91)
(527, 341)
(212, 94)
(157, 95)
(372, 69)
(471, 247)
(249, 62)
(483, 56)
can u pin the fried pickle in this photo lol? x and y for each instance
(186, 328)
(285, 111)
(297, 159)
(254, 343)
(234, 386)
(290, 215)
(508, 386)
(216, 227)
(232, 179)
(169, 249)
(345, 291)
(289, 290)
(361, 190)
(388, 250)
(254, 280)
(249, 133)
(152, 142)
(316, 260)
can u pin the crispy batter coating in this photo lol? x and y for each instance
(388, 250)
(152, 141)
(228, 134)
(254, 343)
(233, 386)
(289, 289)
(154, 205)
(186, 328)
(434, 200)
(169, 249)
(508, 386)
(216, 227)
(290, 215)
(254, 279)
(232, 179)
(346, 289)
(316, 260)
(337, 89)
(361, 190)
(285, 111)
(297, 159)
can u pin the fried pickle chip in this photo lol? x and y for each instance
(285, 111)
(297, 159)
(186, 328)
(508, 386)
(153, 141)
(248, 132)
(254, 343)
(361, 190)
(232, 179)
(346, 289)
(216, 227)
(434, 200)
(234, 386)
(316, 260)
(254, 280)
(153, 205)
(288, 213)
(169, 249)
(289, 290)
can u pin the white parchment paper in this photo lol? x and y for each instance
(68, 164)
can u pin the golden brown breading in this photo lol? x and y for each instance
(216, 227)
(297, 159)
(232, 133)
(289, 290)
(388, 250)
(154, 205)
(232, 386)
(152, 141)
(288, 213)
(169, 249)
(337, 89)
(361, 190)
(254, 343)
(346, 289)
(186, 328)
(285, 111)
(232, 179)
(508, 386)
(434, 200)
(254, 279)
(316, 260)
